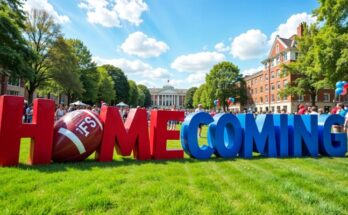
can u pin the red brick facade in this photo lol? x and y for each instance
(264, 86)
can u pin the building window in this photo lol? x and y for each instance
(261, 89)
(12, 92)
(266, 77)
(272, 75)
(277, 48)
(285, 56)
(326, 97)
(266, 87)
(272, 109)
(256, 90)
(272, 97)
(272, 87)
(278, 85)
(261, 99)
(266, 98)
(278, 73)
(285, 98)
(285, 82)
(278, 59)
(300, 98)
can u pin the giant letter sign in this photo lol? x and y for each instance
(303, 135)
(260, 134)
(189, 140)
(331, 144)
(225, 134)
(12, 130)
(131, 136)
(159, 134)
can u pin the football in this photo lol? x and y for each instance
(76, 136)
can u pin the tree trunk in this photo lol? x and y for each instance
(30, 95)
(3, 83)
(60, 98)
(48, 95)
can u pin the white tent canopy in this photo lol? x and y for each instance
(78, 103)
(122, 104)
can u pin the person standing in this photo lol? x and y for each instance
(199, 109)
(60, 112)
(29, 113)
(172, 123)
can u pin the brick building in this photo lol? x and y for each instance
(264, 86)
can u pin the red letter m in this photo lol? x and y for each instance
(133, 135)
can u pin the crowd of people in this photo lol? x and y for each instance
(303, 109)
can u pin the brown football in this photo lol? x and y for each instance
(76, 136)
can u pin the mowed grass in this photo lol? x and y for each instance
(188, 186)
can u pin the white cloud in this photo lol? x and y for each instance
(141, 45)
(136, 67)
(110, 13)
(289, 28)
(221, 47)
(197, 62)
(29, 5)
(252, 70)
(249, 45)
(131, 10)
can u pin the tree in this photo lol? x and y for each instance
(106, 91)
(323, 51)
(41, 32)
(141, 97)
(147, 98)
(121, 85)
(223, 81)
(87, 70)
(15, 53)
(331, 42)
(309, 78)
(63, 68)
(188, 103)
(133, 94)
(198, 95)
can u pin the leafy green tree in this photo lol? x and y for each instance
(15, 53)
(41, 32)
(309, 76)
(323, 51)
(106, 91)
(188, 103)
(133, 94)
(223, 81)
(331, 42)
(121, 85)
(87, 69)
(63, 68)
(141, 97)
(198, 95)
(147, 98)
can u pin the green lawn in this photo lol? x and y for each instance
(215, 186)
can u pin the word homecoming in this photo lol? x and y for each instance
(80, 133)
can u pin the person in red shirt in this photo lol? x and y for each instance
(302, 110)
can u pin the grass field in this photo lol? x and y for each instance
(215, 186)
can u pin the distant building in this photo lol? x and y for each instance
(167, 96)
(264, 86)
(12, 86)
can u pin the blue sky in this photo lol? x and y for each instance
(153, 41)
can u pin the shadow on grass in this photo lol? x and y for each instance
(126, 161)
